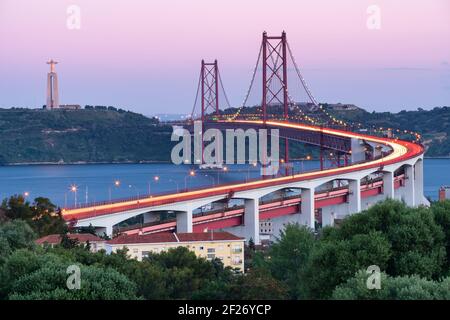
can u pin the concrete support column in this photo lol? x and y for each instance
(251, 220)
(109, 231)
(354, 197)
(184, 221)
(328, 217)
(388, 185)
(418, 182)
(358, 151)
(307, 217)
(410, 193)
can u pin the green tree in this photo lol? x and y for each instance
(46, 220)
(258, 284)
(393, 288)
(441, 212)
(417, 241)
(18, 234)
(333, 262)
(289, 256)
(16, 207)
(40, 215)
(49, 282)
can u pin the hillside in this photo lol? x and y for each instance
(70, 136)
(97, 135)
(433, 125)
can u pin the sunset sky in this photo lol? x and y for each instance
(145, 55)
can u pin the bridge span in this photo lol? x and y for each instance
(403, 162)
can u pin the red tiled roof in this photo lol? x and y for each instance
(56, 238)
(170, 237)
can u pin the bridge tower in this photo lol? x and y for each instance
(209, 82)
(210, 88)
(274, 62)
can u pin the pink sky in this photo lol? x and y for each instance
(145, 55)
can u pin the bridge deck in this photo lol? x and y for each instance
(401, 150)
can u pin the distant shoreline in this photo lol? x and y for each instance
(78, 163)
(124, 162)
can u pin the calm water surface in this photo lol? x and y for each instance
(97, 182)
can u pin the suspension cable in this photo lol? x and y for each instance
(223, 89)
(196, 96)
(251, 84)
(305, 86)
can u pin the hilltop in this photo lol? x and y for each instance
(77, 136)
(108, 135)
(433, 125)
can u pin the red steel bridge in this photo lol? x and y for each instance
(371, 168)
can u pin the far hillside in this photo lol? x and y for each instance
(433, 125)
(87, 135)
(110, 135)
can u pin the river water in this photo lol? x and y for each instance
(98, 182)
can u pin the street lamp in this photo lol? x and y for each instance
(191, 174)
(74, 189)
(156, 179)
(26, 194)
(224, 169)
(254, 164)
(116, 184)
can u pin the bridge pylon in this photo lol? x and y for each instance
(210, 88)
(274, 78)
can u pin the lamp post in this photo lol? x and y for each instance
(224, 169)
(74, 189)
(254, 164)
(156, 179)
(137, 190)
(116, 184)
(213, 179)
(191, 174)
(176, 182)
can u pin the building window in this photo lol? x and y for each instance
(211, 250)
(145, 254)
(135, 250)
(211, 256)
(237, 249)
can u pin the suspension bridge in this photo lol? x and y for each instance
(368, 168)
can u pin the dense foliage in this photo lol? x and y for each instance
(41, 215)
(405, 243)
(409, 245)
